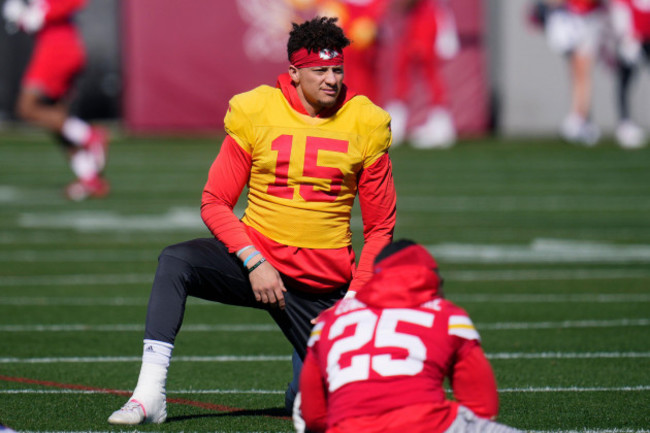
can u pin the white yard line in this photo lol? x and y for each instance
(117, 301)
(542, 298)
(228, 431)
(527, 298)
(137, 328)
(545, 203)
(181, 391)
(613, 430)
(568, 355)
(246, 327)
(578, 389)
(483, 275)
(537, 251)
(118, 359)
(542, 250)
(545, 275)
(175, 219)
(283, 358)
(76, 280)
(563, 325)
(264, 392)
(78, 255)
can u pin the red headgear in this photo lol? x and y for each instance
(309, 59)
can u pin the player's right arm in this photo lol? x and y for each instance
(226, 180)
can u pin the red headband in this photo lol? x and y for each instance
(309, 59)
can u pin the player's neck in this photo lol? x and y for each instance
(311, 109)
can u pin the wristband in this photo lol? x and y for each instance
(238, 253)
(248, 259)
(262, 260)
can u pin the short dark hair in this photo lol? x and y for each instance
(399, 245)
(316, 34)
(392, 248)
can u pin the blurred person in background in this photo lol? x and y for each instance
(631, 22)
(305, 149)
(378, 362)
(576, 29)
(57, 60)
(429, 37)
(361, 21)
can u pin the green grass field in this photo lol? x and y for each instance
(546, 245)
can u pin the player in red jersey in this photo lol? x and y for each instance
(361, 20)
(576, 29)
(428, 39)
(631, 22)
(305, 150)
(377, 362)
(57, 59)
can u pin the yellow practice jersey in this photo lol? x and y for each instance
(305, 169)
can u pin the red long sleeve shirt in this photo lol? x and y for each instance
(309, 269)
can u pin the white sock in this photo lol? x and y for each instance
(151, 384)
(83, 164)
(153, 373)
(157, 352)
(76, 131)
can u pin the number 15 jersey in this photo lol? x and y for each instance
(305, 170)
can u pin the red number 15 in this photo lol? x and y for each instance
(280, 187)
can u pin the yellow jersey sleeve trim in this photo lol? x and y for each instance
(462, 326)
(315, 334)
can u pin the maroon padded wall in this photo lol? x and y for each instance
(182, 61)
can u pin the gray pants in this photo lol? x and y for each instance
(467, 422)
(203, 268)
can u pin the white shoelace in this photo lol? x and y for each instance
(131, 405)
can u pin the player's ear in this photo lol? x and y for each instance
(294, 74)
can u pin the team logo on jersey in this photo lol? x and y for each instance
(327, 54)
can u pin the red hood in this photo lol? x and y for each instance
(289, 91)
(405, 278)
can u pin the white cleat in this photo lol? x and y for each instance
(630, 136)
(438, 132)
(134, 413)
(399, 119)
(578, 130)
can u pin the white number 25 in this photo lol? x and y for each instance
(386, 335)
